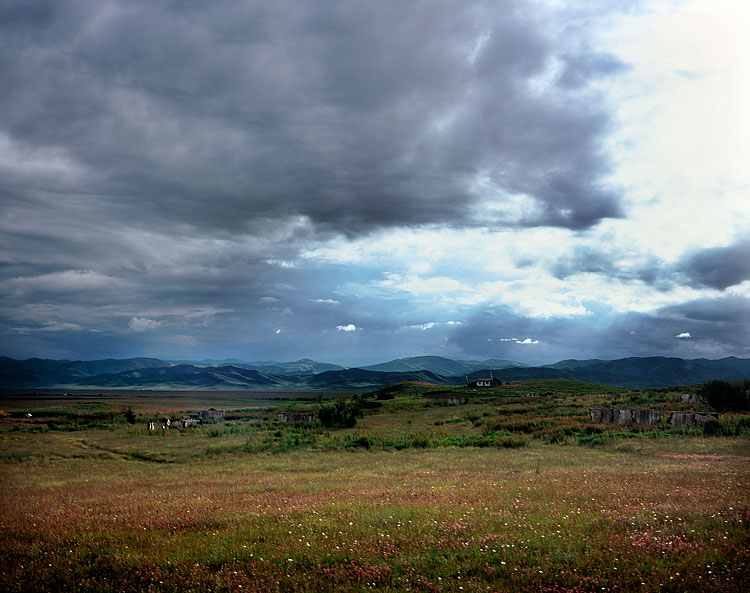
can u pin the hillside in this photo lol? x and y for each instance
(441, 366)
(37, 372)
(364, 379)
(306, 374)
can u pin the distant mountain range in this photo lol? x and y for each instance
(442, 366)
(306, 374)
(304, 366)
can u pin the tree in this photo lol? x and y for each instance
(723, 396)
(129, 415)
(341, 414)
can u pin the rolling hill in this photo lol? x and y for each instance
(38, 372)
(306, 374)
(441, 366)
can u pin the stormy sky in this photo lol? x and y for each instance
(356, 181)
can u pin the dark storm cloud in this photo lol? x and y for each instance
(718, 327)
(588, 260)
(354, 115)
(14, 13)
(583, 260)
(719, 267)
(162, 165)
(726, 311)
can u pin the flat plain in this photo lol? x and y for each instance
(515, 490)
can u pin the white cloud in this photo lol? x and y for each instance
(140, 324)
(200, 312)
(54, 326)
(437, 285)
(42, 165)
(325, 301)
(683, 336)
(281, 263)
(49, 326)
(65, 281)
(277, 332)
(683, 140)
(423, 326)
(527, 341)
(347, 328)
(184, 340)
(267, 300)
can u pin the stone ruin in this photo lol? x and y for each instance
(691, 418)
(624, 416)
(296, 417)
(635, 416)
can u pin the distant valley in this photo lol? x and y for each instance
(306, 374)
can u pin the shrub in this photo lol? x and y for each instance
(341, 414)
(129, 415)
(724, 397)
(513, 442)
(363, 442)
(420, 441)
(713, 428)
(730, 425)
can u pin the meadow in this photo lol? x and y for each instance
(514, 491)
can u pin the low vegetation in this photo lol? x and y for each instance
(724, 396)
(409, 488)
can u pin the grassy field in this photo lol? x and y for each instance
(508, 492)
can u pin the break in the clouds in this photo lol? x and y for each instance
(263, 180)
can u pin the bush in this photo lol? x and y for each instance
(513, 443)
(363, 442)
(730, 425)
(726, 397)
(129, 415)
(713, 428)
(420, 441)
(341, 414)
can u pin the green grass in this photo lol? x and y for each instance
(539, 518)
(397, 417)
(505, 493)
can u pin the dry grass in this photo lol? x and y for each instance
(89, 504)
(670, 515)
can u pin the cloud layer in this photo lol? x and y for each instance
(343, 180)
(349, 116)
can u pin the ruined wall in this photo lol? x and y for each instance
(624, 416)
(285, 417)
(691, 418)
(633, 416)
